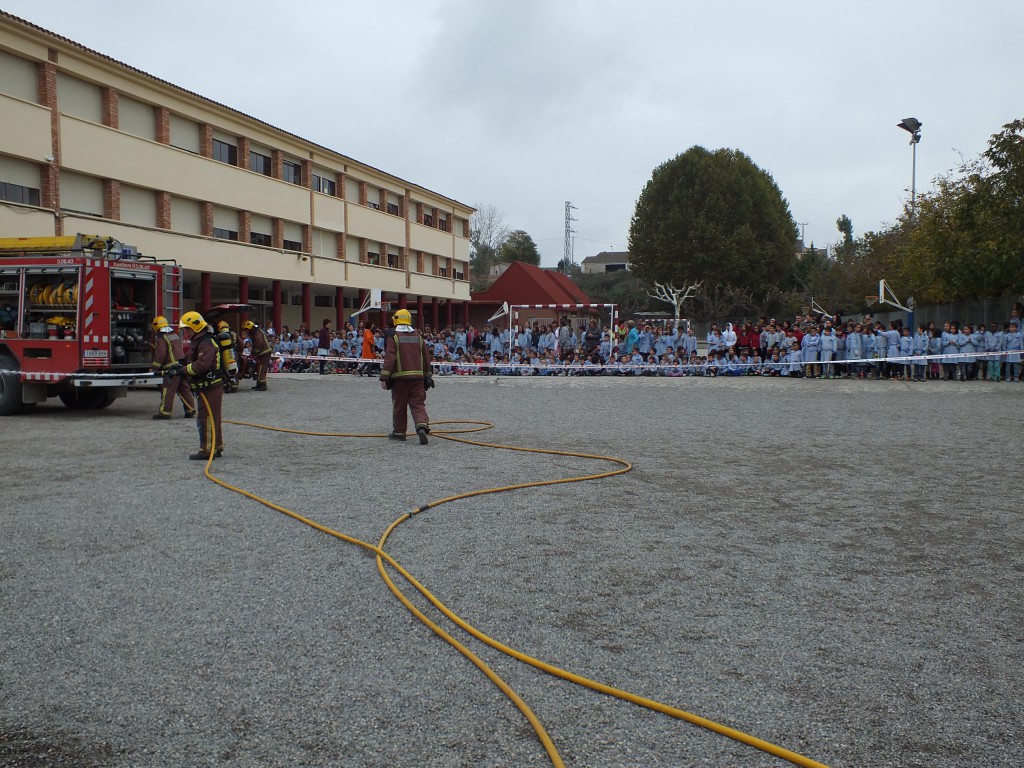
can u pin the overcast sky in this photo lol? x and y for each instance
(527, 104)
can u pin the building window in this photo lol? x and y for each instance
(375, 206)
(373, 258)
(224, 152)
(428, 220)
(323, 301)
(260, 163)
(16, 193)
(291, 245)
(291, 172)
(326, 186)
(459, 275)
(258, 238)
(225, 234)
(442, 224)
(393, 209)
(393, 260)
(442, 272)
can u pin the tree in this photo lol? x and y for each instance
(714, 217)
(519, 246)
(570, 268)
(487, 233)
(675, 296)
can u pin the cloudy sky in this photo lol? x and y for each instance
(527, 104)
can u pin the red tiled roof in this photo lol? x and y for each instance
(524, 283)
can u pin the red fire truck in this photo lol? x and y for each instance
(76, 319)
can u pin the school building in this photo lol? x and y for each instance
(253, 213)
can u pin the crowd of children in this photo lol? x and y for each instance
(809, 347)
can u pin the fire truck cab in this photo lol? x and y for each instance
(76, 319)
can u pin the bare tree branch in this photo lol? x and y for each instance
(668, 293)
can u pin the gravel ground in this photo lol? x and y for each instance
(831, 566)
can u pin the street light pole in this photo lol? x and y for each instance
(912, 126)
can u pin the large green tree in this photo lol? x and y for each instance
(519, 246)
(714, 217)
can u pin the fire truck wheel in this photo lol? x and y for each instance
(10, 387)
(83, 399)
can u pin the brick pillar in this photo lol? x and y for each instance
(163, 210)
(277, 233)
(362, 193)
(307, 174)
(162, 119)
(403, 301)
(339, 309)
(244, 148)
(362, 250)
(49, 179)
(276, 308)
(434, 314)
(341, 240)
(110, 112)
(419, 312)
(244, 226)
(206, 140)
(276, 163)
(205, 293)
(206, 219)
(307, 304)
(111, 199)
(341, 186)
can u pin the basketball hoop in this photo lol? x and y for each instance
(871, 299)
(385, 306)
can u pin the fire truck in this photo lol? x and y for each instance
(76, 319)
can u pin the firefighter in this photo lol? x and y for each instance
(167, 352)
(406, 371)
(227, 340)
(261, 351)
(206, 377)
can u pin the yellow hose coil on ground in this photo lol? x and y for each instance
(384, 559)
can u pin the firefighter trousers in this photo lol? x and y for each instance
(408, 395)
(175, 385)
(208, 415)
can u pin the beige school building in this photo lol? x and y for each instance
(253, 213)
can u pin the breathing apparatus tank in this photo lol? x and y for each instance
(226, 345)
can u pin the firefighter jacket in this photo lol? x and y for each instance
(166, 351)
(405, 356)
(204, 369)
(260, 345)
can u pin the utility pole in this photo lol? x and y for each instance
(567, 259)
(803, 229)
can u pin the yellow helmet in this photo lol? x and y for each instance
(402, 317)
(159, 322)
(248, 325)
(192, 320)
(223, 326)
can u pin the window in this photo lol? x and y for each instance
(291, 172)
(260, 163)
(393, 209)
(292, 245)
(375, 206)
(328, 187)
(16, 193)
(442, 272)
(224, 152)
(225, 234)
(393, 260)
(373, 258)
(442, 224)
(258, 238)
(428, 220)
(459, 275)
(323, 301)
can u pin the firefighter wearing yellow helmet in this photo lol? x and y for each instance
(261, 351)
(406, 371)
(205, 376)
(167, 356)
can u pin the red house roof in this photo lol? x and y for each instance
(524, 283)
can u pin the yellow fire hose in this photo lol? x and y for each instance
(384, 558)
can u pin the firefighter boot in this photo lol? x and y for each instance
(422, 432)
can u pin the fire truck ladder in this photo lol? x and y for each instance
(172, 293)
